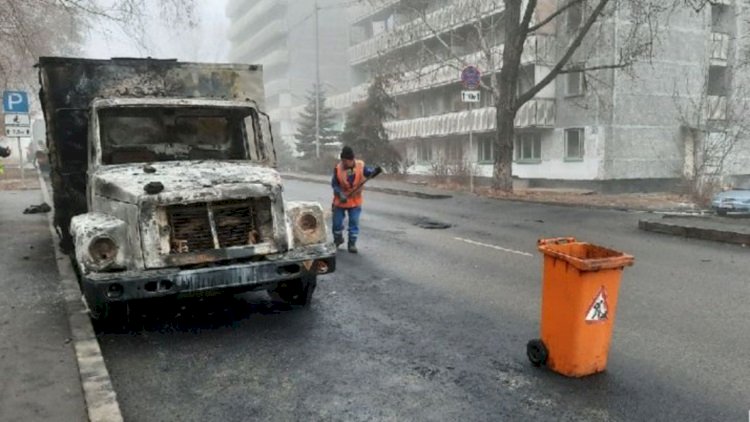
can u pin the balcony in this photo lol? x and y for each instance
(272, 61)
(479, 120)
(536, 50)
(346, 99)
(537, 113)
(247, 50)
(719, 49)
(449, 17)
(716, 108)
(253, 17)
(368, 9)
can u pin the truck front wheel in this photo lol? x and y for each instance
(298, 291)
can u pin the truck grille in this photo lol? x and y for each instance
(215, 225)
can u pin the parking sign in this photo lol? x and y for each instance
(15, 102)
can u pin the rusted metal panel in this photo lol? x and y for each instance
(70, 85)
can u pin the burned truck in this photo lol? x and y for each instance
(164, 183)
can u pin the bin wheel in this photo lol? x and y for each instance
(537, 352)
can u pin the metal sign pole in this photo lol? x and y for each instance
(471, 148)
(471, 78)
(20, 159)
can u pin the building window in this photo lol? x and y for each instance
(485, 150)
(574, 17)
(528, 148)
(424, 152)
(717, 81)
(526, 79)
(574, 82)
(454, 152)
(721, 18)
(574, 144)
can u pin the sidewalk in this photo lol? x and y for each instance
(39, 377)
(565, 197)
(732, 229)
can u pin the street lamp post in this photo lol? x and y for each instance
(317, 81)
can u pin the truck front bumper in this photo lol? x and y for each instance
(131, 285)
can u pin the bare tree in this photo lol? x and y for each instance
(32, 28)
(713, 127)
(503, 39)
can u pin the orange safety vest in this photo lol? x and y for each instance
(353, 201)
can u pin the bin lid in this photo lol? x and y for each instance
(584, 256)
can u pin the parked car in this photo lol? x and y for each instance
(735, 200)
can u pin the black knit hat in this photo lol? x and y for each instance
(347, 153)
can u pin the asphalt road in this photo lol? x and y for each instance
(432, 325)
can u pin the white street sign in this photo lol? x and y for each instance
(17, 120)
(470, 96)
(17, 131)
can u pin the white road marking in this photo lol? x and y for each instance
(497, 248)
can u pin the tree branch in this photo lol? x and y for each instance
(528, 95)
(525, 22)
(592, 68)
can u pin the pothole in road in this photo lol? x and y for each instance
(430, 224)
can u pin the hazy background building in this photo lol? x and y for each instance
(280, 35)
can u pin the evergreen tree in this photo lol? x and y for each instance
(306, 125)
(365, 131)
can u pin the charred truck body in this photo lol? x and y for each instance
(164, 183)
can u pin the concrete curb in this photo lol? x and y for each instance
(100, 396)
(695, 232)
(390, 191)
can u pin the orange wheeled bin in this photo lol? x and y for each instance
(579, 304)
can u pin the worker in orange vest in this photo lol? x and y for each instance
(348, 178)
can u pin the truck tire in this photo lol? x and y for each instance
(298, 291)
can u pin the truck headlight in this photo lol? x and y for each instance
(100, 242)
(306, 223)
(103, 250)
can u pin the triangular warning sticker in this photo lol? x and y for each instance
(599, 309)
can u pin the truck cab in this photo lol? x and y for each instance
(181, 198)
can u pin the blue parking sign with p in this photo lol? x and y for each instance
(15, 102)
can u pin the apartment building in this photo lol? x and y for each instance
(280, 35)
(610, 129)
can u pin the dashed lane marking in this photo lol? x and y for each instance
(495, 247)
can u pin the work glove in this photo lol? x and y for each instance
(343, 198)
(377, 171)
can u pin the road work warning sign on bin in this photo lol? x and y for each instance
(599, 308)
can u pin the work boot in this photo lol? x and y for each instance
(338, 240)
(352, 247)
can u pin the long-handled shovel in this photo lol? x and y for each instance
(361, 184)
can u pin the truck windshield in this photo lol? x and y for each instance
(148, 134)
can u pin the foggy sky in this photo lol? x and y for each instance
(206, 42)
